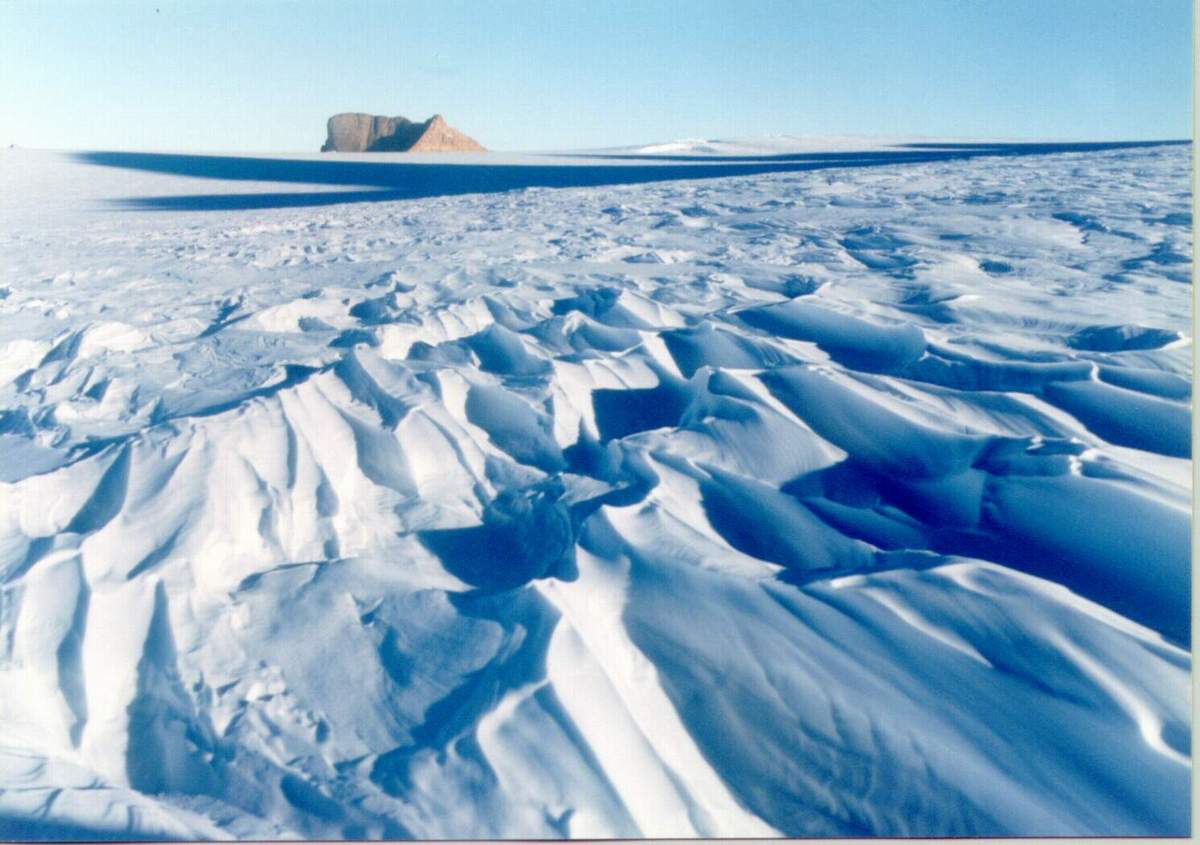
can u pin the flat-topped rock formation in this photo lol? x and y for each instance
(354, 132)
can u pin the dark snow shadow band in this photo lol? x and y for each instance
(386, 181)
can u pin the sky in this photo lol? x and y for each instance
(571, 74)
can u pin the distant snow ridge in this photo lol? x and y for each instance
(843, 503)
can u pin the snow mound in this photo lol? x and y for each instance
(777, 145)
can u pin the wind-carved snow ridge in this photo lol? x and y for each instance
(837, 503)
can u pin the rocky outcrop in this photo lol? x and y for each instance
(357, 133)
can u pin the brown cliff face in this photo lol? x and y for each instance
(357, 133)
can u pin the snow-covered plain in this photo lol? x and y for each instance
(848, 501)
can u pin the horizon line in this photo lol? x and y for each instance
(901, 140)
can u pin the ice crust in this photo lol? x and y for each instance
(839, 503)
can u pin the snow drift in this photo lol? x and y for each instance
(851, 501)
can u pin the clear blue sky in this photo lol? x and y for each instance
(524, 74)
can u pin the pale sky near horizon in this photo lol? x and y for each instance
(520, 74)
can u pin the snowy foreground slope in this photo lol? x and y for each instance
(846, 501)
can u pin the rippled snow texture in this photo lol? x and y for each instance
(851, 502)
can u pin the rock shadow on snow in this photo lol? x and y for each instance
(387, 181)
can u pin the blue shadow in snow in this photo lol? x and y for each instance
(23, 829)
(371, 181)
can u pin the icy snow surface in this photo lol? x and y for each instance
(841, 500)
